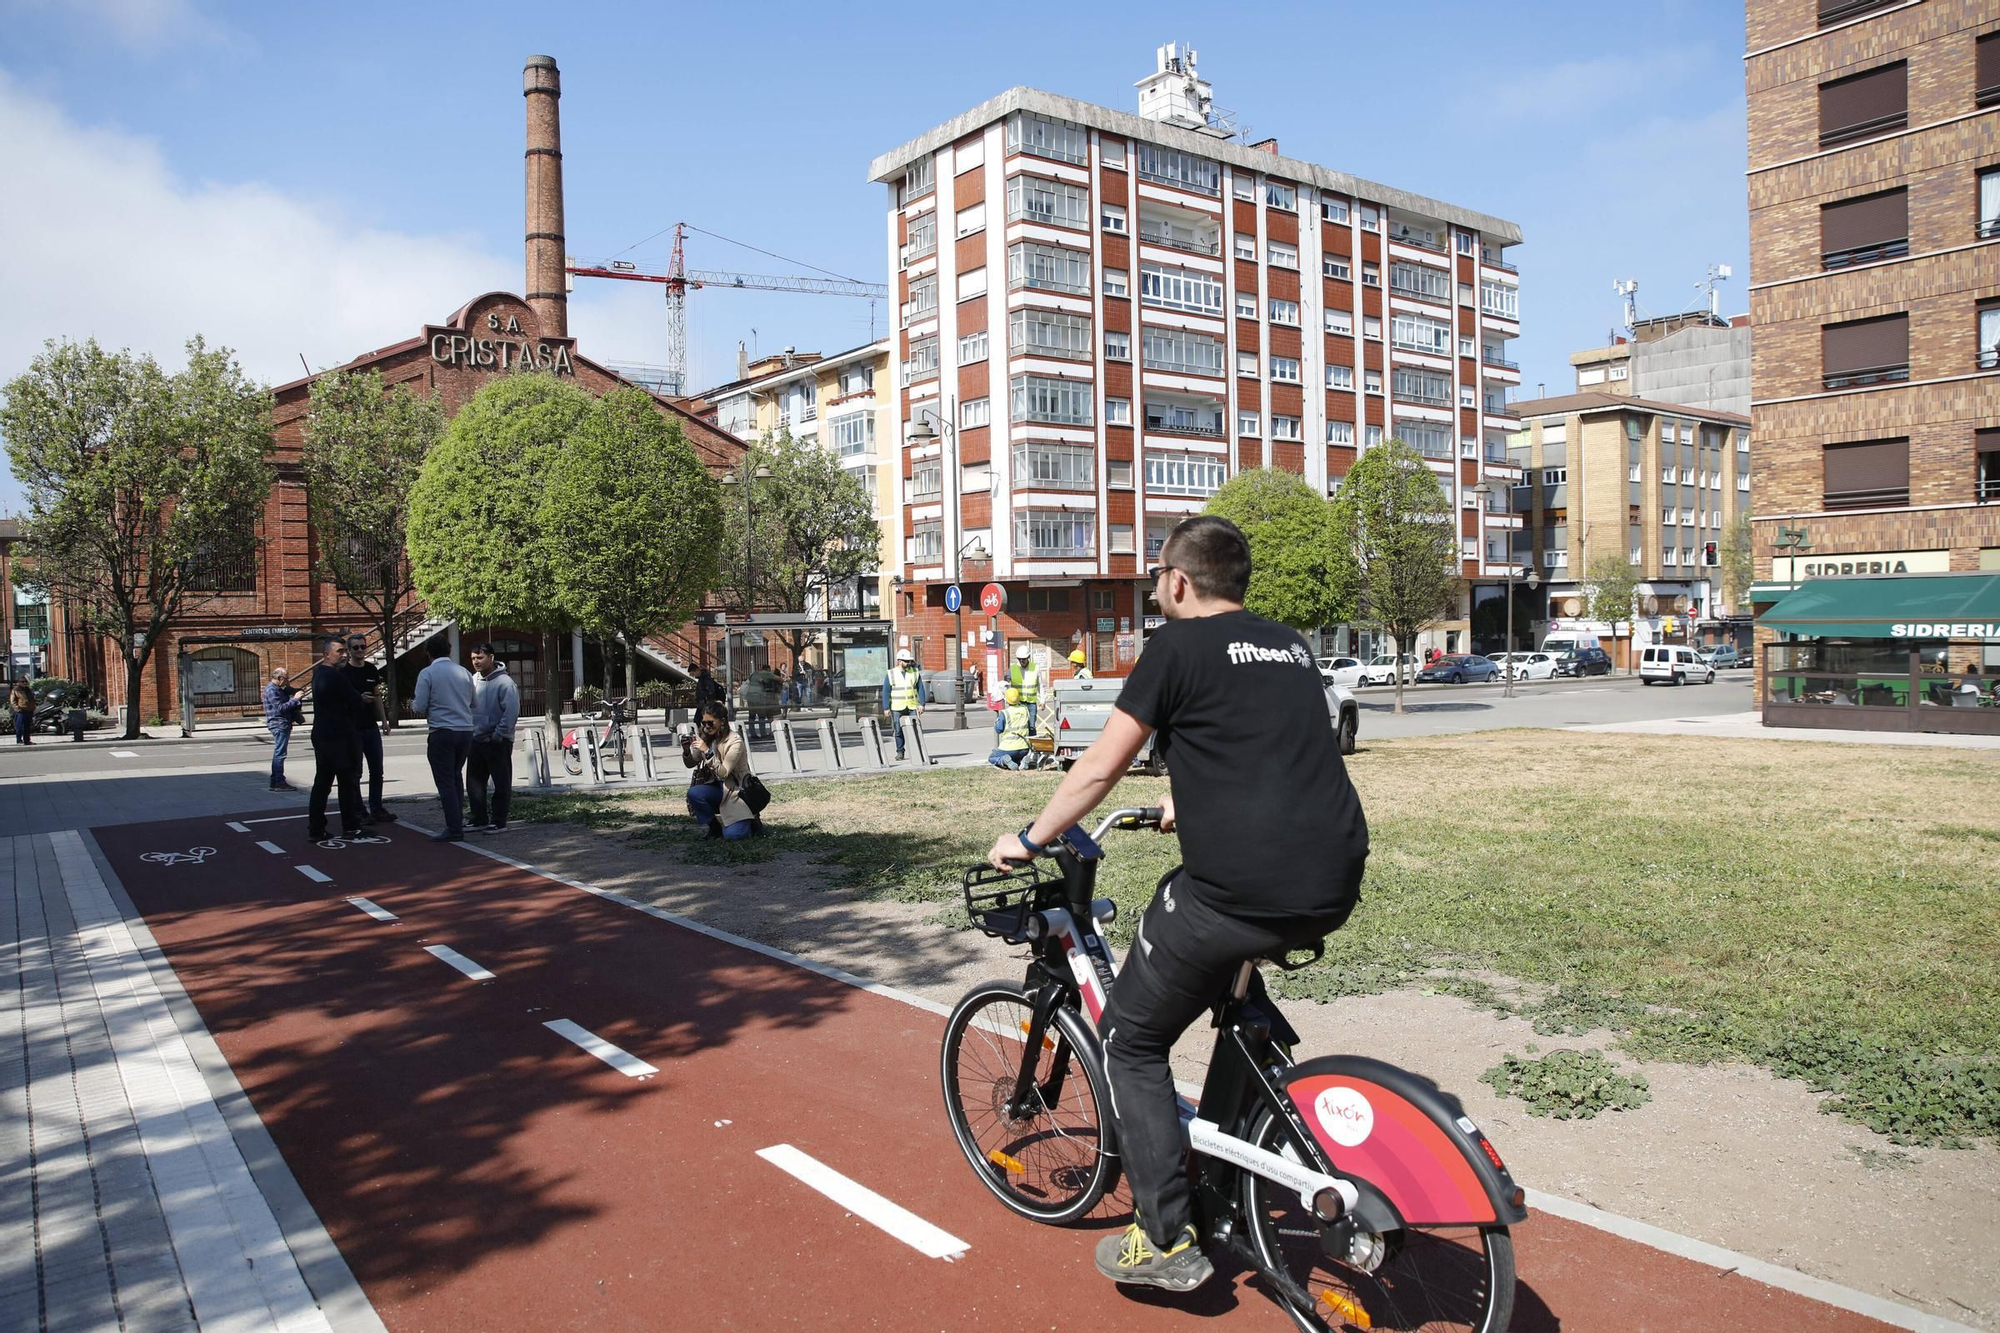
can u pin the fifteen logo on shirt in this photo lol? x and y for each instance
(1241, 652)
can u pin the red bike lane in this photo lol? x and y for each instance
(480, 1169)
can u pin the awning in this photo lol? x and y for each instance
(1909, 606)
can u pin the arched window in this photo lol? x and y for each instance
(225, 677)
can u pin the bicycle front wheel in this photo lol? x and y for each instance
(572, 757)
(1052, 1158)
(1434, 1279)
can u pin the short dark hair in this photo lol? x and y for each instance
(441, 650)
(1213, 553)
(363, 638)
(326, 639)
(486, 646)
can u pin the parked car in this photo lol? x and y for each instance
(1382, 670)
(1458, 668)
(1085, 705)
(1664, 663)
(1532, 666)
(1584, 662)
(1723, 655)
(1342, 671)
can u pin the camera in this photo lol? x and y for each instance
(684, 732)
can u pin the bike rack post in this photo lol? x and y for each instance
(917, 739)
(831, 739)
(788, 744)
(871, 736)
(590, 753)
(644, 735)
(538, 773)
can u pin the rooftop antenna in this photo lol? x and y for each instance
(1716, 273)
(1626, 287)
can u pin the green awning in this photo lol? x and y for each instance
(1909, 606)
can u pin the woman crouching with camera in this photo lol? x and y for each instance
(721, 764)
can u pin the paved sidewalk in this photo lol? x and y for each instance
(1750, 726)
(126, 1200)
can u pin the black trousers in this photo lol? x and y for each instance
(1183, 956)
(336, 759)
(490, 761)
(370, 739)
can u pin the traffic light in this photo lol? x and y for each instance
(1708, 556)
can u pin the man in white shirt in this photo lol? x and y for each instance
(446, 696)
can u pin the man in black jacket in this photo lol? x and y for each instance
(338, 709)
(367, 680)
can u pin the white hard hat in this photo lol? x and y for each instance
(906, 656)
(1022, 652)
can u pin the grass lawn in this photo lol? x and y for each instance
(1830, 912)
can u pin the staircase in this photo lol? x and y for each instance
(412, 626)
(665, 662)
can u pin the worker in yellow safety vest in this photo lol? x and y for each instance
(1026, 677)
(904, 693)
(1081, 663)
(1012, 726)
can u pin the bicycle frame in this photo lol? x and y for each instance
(1427, 1165)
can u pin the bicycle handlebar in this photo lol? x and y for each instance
(1132, 817)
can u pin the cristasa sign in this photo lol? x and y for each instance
(508, 349)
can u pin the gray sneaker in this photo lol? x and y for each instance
(1130, 1256)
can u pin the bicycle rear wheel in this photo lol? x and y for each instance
(1053, 1160)
(572, 758)
(1432, 1279)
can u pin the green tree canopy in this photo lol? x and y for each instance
(144, 488)
(1299, 575)
(637, 522)
(1396, 519)
(478, 550)
(1611, 582)
(364, 448)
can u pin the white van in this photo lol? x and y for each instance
(1669, 662)
(1556, 645)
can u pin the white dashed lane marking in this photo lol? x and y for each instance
(865, 1203)
(624, 1062)
(273, 848)
(124, 754)
(372, 909)
(235, 827)
(459, 961)
(316, 876)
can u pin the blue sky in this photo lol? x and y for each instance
(312, 181)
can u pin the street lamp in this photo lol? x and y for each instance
(921, 434)
(1792, 540)
(742, 476)
(1534, 580)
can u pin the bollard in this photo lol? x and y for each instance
(918, 743)
(871, 736)
(831, 739)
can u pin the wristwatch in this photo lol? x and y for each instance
(1034, 848)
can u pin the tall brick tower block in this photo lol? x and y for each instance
(541, 85)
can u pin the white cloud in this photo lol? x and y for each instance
(106, 241)
(144, 26)
(1603, 86)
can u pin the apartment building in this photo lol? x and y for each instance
(831, 401)
(1695, 359)
(1653, 484)
(1104, 316)
(1874, 137)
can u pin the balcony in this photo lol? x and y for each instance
(918, 250)
(1412, 294)
(1402, 235)
(1865, 254)
(1189, 239)
(1492, 259)
(1421, 400)
(1489, 357)
(1864, 376)
(1179, 419)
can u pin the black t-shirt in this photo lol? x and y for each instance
(1270, 826)
(364, 677)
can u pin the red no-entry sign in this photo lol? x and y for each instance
(992, 599)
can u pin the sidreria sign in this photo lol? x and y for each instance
(508, 348)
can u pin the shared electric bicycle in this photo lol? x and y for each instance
(1360, 1193)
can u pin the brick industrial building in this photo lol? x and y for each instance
(278, 592)
(1106, 315)
(1874, 135)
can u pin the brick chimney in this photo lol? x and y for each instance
(541, 85)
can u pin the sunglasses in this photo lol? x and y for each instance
(1153, 574)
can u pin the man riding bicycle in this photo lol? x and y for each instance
(1273, 842)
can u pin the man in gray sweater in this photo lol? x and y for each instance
(492, 758)
(445, 696)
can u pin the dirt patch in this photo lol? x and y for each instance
(1728, 1154)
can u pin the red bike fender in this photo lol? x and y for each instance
(569, 739)
(1408, 1138)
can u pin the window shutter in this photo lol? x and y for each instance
(1875, 472)
(1865, 345)
(1863, 104)
(1987, 441)
(1986, 74)
(1866, 223)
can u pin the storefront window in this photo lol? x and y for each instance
(1878, 673)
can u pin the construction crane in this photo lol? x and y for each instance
(679, 279)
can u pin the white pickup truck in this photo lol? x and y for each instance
(1083, 707)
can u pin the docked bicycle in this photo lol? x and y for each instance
(589, 747)
(1360, 1193)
